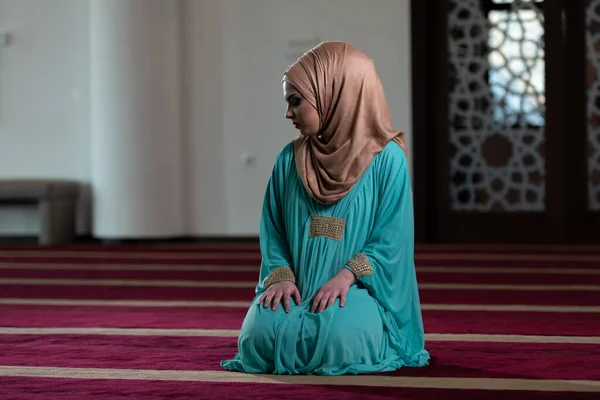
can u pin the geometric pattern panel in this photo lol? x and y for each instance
(593, 101)
(496, 105)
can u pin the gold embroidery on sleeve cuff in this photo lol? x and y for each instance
(329, 227)
(360, 265)
(279, 275)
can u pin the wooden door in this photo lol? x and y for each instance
(506, 138)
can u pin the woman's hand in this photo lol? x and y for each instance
(338, 286)
(280, 292)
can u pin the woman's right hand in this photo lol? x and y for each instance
(280, 292)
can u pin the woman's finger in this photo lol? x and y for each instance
(324, 302)
(285, 299)
(296, 295)
(276, 300)
(268, 299)
(332, 300)
(263, 296)
(342, 300)
(316, 301)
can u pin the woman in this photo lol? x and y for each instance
(337, 292)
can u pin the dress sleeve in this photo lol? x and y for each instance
(385, 265)
(276, 265)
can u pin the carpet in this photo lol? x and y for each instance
(153, 322)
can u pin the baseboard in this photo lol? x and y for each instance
(182, 240)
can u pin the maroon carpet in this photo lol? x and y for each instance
(561, 301)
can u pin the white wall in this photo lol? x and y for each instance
(237, 104)
(44, 103)
(236, 54)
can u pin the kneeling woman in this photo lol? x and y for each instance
(337, 292)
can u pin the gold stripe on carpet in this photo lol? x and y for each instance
(498, 338)
(510, 308)
(146, 255)
(255, 268)
(508, 257)
(129, 267)
(124, 282)
(121, 331)
(508, 287)
(251, 284)
(255, 255)
(254, 245)
(190, 332)
(245, 304)
(545, 385)
(124, 303)
(480, 247)
(506, 270)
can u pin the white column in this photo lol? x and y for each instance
(137, 167)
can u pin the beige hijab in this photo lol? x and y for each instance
(355, 123)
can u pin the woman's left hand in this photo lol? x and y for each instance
(338, 286)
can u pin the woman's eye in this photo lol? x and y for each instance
(295, 103)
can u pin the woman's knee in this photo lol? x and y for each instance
(359, 321)
(258, 331)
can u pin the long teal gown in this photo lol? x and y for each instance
(369, 231)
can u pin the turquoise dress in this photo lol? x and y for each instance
(369, 231)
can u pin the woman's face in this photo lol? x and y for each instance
(302, 114)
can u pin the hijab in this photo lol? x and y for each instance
(341, 83)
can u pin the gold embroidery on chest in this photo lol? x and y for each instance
(329, 227)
